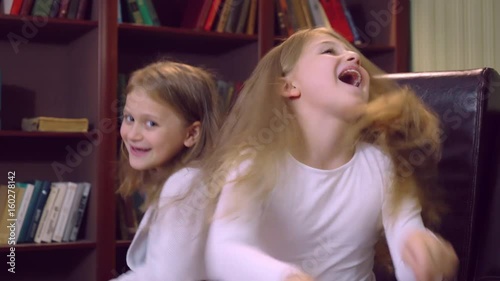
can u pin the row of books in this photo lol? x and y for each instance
(233, 16)
(293, 15)
(138, 12)
(43, 211)
(71, 9)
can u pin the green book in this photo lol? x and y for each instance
(152, 12)
(42, 8)
(143, 9)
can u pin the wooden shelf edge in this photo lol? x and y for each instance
(123, 243)
(14, 18)
(43, 29)
(167, 30)
(12, 133)
(31, 247)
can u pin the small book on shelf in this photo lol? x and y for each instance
(53, 124)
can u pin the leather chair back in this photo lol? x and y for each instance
(468, 104)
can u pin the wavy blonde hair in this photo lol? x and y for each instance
(192, 92)
(395, 120)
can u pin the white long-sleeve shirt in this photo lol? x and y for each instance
(321, 222)
(169, 244)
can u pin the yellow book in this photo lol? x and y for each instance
(53, 124)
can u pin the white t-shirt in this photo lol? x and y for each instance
(321, 222)
(172, 245)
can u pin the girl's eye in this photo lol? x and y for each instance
(328, 51)
(127, 118)
(151, 123)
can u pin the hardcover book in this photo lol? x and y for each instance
(52, 124)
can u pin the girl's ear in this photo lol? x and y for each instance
(289, 89)
(193, 133)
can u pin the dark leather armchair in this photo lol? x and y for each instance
(468, 104)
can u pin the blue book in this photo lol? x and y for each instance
(37, 214)
(23, 234)
(120, 19)
(354, 29)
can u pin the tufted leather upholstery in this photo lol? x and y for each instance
(468, 104)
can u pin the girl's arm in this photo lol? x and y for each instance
(175, 237)
(417, 253)
(397, 227)
(233, 250)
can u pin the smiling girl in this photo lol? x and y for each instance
(170, 120)
(311, 159)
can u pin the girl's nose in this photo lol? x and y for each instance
(353, 57)
(135, 133)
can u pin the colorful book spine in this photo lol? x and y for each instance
(23, 234)
(134, 13)
(37, 214)
(143, 9)
(152, 12)
(350, 20)
(81, 210)
(42, 8)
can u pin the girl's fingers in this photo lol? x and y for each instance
(430, 257)
(450, 265)
(416, 255)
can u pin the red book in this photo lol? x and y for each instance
(16, 7)
(26, 8)
(63, 10)
(82, 9)
(211, 15)
(194, 12)
(335, 14)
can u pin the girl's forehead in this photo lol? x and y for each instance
(318, 39)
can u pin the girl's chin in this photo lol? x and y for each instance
(139, 166)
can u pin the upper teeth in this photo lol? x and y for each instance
(353, 73)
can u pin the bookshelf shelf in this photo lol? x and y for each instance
(49, 246)
(123, 243)
(133, 36)
(23, 134)
(44, 30)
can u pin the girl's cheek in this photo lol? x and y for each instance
(123, 131)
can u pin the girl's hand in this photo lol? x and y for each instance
(430, 257)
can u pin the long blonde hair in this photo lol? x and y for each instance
(395, 120)
(192, 92)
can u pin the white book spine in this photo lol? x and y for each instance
(73, 212)
(44, 220)
(7, 6)
(54, 214)
(63, 216)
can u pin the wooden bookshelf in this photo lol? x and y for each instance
(123, 243)
(23, 134)
(30, 247)
(70, 68)
(179, 39)
(383, 26)
(44, 30)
